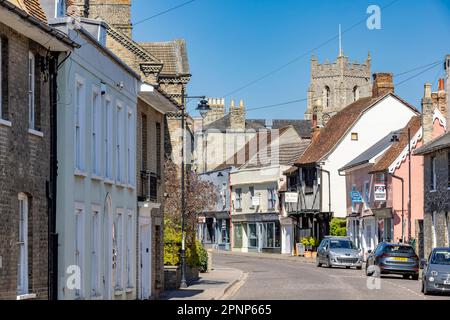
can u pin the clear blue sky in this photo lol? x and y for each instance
(233, 42)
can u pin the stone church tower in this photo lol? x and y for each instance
(337, 84)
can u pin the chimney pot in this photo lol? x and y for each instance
(441, 85)
(427, 90)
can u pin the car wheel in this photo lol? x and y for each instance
(406, 276)
(425, 291)
(329, 265)
(415, 277)
(359, 268)
(318, 264)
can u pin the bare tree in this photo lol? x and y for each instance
(200, 196)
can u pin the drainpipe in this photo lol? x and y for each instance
(52, 235)
(403, 200)
(409, 184)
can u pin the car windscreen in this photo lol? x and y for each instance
(441, 257)
(341, 244)
(399, 249)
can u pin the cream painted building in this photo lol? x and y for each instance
(96, 200)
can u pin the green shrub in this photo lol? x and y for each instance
(338, 227)
(196, 255)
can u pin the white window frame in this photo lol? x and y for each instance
(433, 173)
(120, 135)
(79, 124)
(238, 198)
(129, 249)
(79, 243)
(22, 272)
(433, 230)
(31, 90)
(131, 161)
(252, 194)
(119, 246)
(271, 199)
(96, 236)
(96, 136)
(60, 8)
(109, 154)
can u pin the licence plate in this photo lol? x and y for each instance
(400, 259)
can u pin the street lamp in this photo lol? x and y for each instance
(203, 107)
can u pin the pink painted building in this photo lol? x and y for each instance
(376, 208)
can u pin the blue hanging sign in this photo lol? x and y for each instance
(355, 196)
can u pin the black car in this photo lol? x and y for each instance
(393, 258)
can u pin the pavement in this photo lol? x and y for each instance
(214, 285)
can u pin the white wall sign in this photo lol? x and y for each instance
(291, 197)
(380, 192)
(255, 201)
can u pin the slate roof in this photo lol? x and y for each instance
(159, 101)
(287, 154)
(441, 142)
(365, 157)
(172, 54)
(386, 160)
(303, 127)
(338, 125)
(249, 153)
(224, 123)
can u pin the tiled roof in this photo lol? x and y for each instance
(386, 160)
(441, 142)
(337, 127)
(32, 7)
(172, 54)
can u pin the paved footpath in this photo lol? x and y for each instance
(213, 285)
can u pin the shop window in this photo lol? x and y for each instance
(237, 230)
(252, 235)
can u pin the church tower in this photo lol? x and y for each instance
(116, 13)
(337, 84)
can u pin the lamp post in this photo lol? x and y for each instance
(203, 107)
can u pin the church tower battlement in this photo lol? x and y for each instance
(337, 84)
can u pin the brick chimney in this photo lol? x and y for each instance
(382, 84)
(440, 98)
(237, 116)
(427, 114)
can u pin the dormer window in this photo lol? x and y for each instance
(60, 8)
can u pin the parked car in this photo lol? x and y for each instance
(338, 251)
(393, 258)
(436, 271)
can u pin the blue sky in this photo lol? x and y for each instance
(233, 42)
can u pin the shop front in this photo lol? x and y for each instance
(257, 233)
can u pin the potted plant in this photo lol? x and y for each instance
(306, 241)
(313, 242)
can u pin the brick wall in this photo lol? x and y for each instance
(24, 168)
(157, 244)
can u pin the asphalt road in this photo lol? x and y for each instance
(270, 279)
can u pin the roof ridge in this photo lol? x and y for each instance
(132, 45)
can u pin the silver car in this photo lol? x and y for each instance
(338, 251)
(436, 272)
